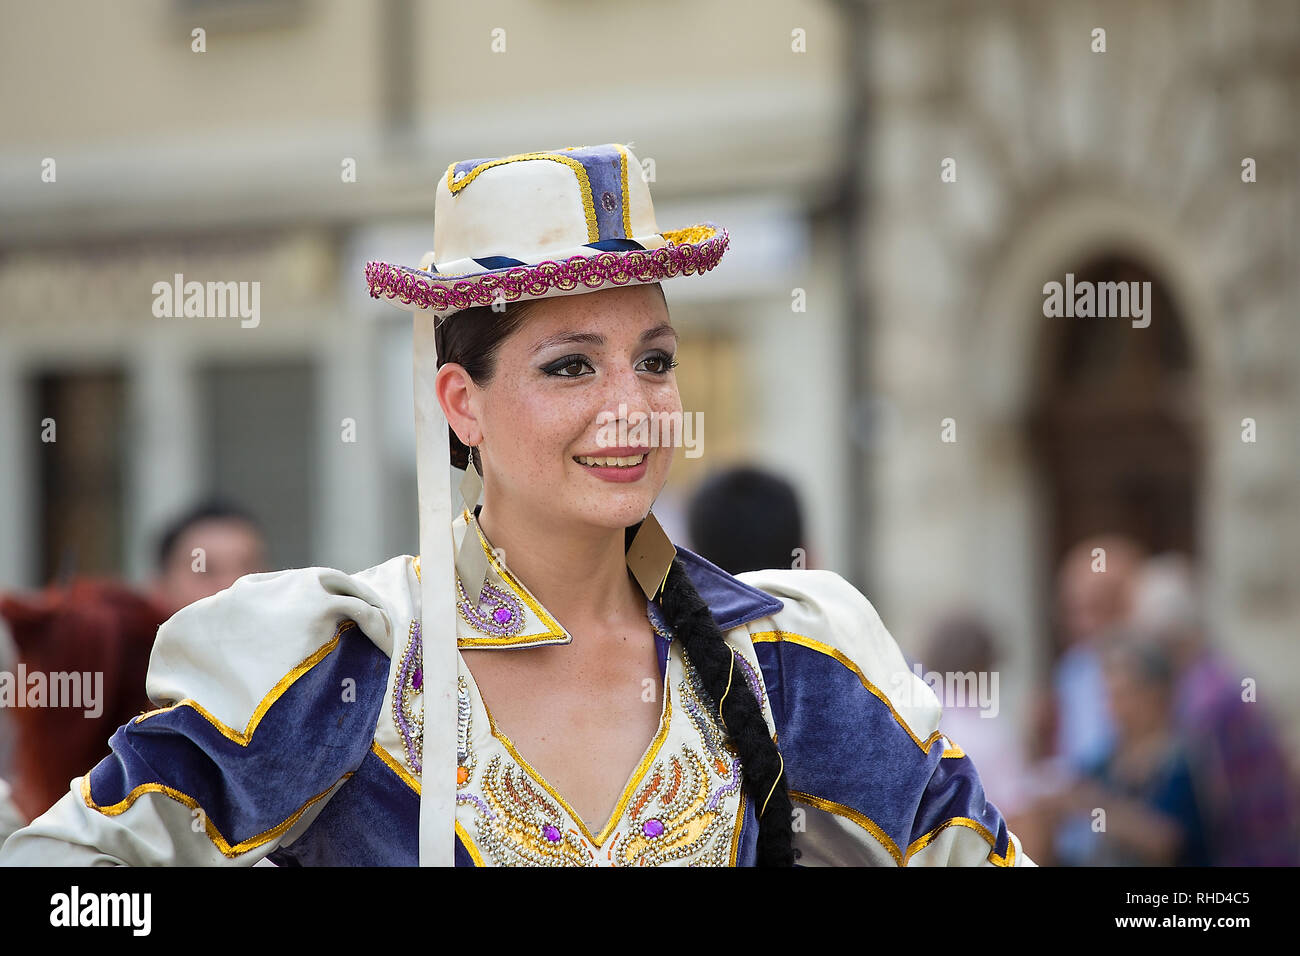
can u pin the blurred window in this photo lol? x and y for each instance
(81, 473)
(260, 449)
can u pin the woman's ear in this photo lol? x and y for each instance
(455, 391)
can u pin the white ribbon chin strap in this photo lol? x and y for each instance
(437, 607)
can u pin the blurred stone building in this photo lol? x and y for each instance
(900, 180)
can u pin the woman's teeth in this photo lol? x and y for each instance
(620, 462)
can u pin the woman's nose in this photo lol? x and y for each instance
(627, 390)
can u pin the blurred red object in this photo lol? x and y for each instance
(90, 627)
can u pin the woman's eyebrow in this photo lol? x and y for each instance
(565, 338)
(595, 338)
(658, 330)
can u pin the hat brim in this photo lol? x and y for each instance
(690, 251)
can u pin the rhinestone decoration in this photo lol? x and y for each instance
(408, 701)
(684, 810)
(498, 613)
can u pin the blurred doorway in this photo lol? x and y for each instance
(1115, 421)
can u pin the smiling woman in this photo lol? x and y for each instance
(610, 699)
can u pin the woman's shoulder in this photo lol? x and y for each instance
(268, 697)
(228, 652)
(827, 629)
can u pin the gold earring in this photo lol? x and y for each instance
(650, 556)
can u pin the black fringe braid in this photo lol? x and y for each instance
(702, 641)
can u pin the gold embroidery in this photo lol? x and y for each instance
(579, 171)
(675, 806)
(627, 211)
(244, 737)
(769, 637)
(597, 839)
(692, 234)
(518, 825)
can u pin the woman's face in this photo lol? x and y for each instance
(577, 368)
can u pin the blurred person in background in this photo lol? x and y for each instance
(1091, 603)
(1237, 758)
(747, 519)
(87, 627)
(1144, 785)
(205, 550)
(1073, 725)
(99, 627)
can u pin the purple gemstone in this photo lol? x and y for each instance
(653, 828)
(551, 833)
(502, 615)
(418, 680)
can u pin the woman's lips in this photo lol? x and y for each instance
(616, 464)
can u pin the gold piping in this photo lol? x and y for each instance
(830, 806)
(408, 779)
(584, 184)
(470, 848)
(739, 825)
(923, 841)
(770, 637)
(731, 670)
(627, 212)
(403, 774)
(213, 833)
(555, 634)
(245, 736)
(774, 783)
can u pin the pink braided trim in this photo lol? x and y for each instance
(620, 268)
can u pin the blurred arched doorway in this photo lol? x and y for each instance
(1115, 424)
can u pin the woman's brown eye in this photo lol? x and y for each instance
(662, 362)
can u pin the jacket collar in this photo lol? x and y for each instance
(514, 618)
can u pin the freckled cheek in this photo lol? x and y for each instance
(667, 401)
(536, 430)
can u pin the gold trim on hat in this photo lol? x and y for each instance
(627, 210)
(584, 184)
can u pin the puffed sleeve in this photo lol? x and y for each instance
(267, 696)
(872, 779)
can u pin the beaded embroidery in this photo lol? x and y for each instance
(464, 750)
(619, 268)
(498, 613)
(408, 700)
(684, 809)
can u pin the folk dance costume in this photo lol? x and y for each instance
(297, 709)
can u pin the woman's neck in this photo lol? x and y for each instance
(578, 573)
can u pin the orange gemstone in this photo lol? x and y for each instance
(721, 767)
(462, 775)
